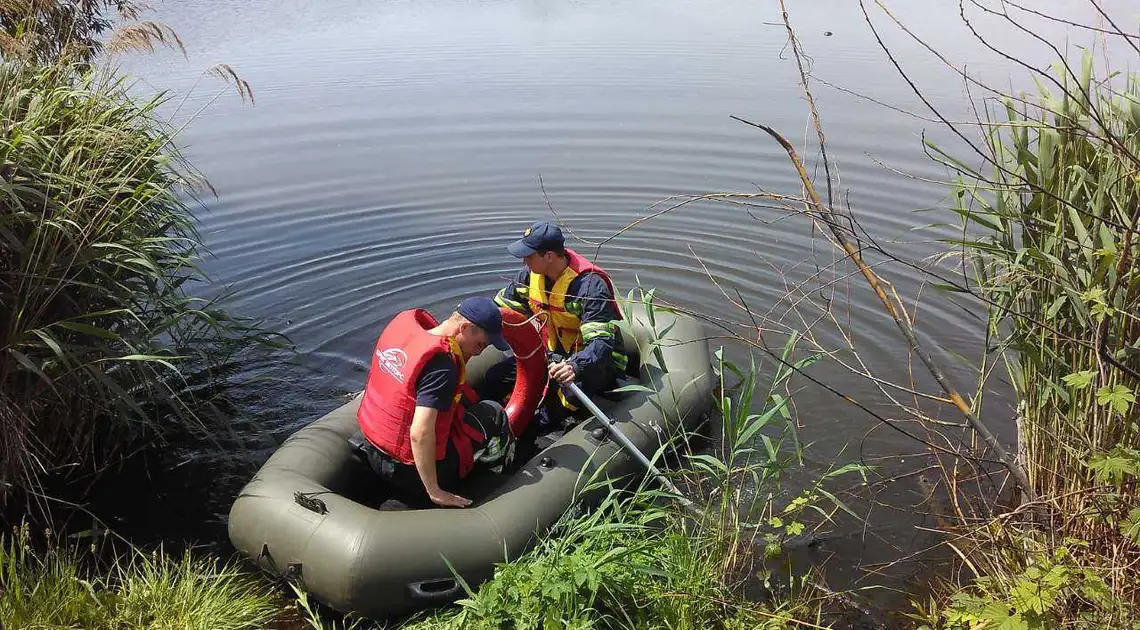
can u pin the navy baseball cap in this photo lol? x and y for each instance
(484, 313)
(539, 236)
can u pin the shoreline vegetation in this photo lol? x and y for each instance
(105, 352)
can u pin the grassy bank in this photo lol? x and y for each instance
(630, 564)
(60, 585)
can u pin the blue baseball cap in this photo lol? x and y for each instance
(484, 313)
(539, 236)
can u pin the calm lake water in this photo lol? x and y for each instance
(396, 147)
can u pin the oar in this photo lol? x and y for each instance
(805, 540)
(624, 441)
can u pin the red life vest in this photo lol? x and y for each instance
(580, 264)
(389, 401)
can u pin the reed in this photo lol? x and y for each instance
(101, 341)
(45, 32)
(1050, 239)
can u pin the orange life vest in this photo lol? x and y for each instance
(389, 402)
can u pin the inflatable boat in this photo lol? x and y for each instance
(316, 513)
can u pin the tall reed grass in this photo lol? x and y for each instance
(101, 341)
(1051, 241)
(48, 31)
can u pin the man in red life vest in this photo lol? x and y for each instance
(573, 300)
(424, 425)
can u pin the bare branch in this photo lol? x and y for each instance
(893, 305)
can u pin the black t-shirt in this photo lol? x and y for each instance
(437, 383)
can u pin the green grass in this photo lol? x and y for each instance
(54, 588)
(630, 563)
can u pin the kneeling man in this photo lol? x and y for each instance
(424, 426)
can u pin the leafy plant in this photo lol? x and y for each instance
(1052, 588)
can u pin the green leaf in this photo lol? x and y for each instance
(847, 468)
(1130, 526)
(839, 504)
(796, 504)
(51, 343)
(1092, 587)
(633, 387)
(710, 462)
(30, 365)
(87, 329)
(769, 447)
(1055, 307)
(949, 288)
(1101, 309)
(1027, 596)
(756, 422)
(1079, 380)
(1118, 396)
(1115, 465)
(1093, 295)
(1009, 622)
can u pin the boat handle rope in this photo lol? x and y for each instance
(309, 501)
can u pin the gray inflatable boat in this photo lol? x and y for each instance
(316, 513)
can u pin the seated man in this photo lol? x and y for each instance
(421, 437)
(573, 300)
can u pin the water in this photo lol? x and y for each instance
(396, 147)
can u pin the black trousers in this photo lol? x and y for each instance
(487, 417)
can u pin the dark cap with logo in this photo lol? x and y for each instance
(540, 236)
(484, 313)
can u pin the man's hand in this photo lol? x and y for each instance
(423, 454)
(444, 498)
(562, 372)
